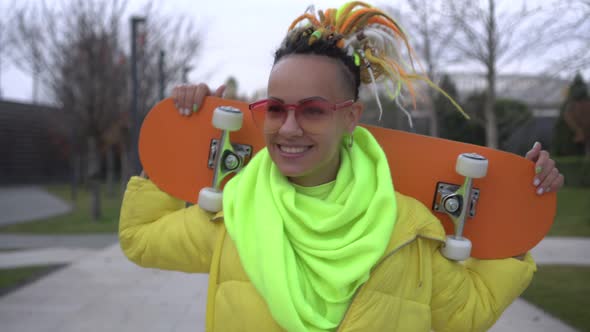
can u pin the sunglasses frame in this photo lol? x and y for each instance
(331, 106)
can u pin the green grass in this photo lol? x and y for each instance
(573, 213)
(563, 291)
(11, 279)
(79, 220)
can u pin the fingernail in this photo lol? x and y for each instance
(186, 111)
(536, 182)
(536, 144)
(538, 169)
(540, 191)
(195, 108)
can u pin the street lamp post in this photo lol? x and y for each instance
(161, 74)
(135, 164)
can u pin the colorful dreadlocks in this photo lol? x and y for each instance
(371, 38)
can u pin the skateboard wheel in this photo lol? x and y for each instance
(227, 118)
(210, 199)
(456, 249)
(472, 165)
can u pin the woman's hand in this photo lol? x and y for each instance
(188, 98)
(547, 178)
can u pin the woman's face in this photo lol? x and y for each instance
(310, 157)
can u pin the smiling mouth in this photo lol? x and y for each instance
(293, 149)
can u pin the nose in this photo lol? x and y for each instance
(290, 127)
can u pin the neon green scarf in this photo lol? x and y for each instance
(307, 256)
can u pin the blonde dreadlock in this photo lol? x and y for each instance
(366, 39)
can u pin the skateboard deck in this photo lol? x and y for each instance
(509, 217)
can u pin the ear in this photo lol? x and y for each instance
(354, 116)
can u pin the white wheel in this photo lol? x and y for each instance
(456, 249)
(210, 199)
(227, 118)
(472, 165)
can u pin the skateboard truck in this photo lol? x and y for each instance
(447, 200)
(459, 202)
(224, 157)
(231, 160)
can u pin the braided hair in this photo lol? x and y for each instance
(300, 41)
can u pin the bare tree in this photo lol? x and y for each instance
(77, 52)
(179, 37)
(493, 38)
(5, 43)
(574, 33)
(430, 31)
(28, 36)
(577, 117)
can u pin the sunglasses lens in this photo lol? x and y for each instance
(311, 115)
(313, 111)
(268, 115)
(275, 111)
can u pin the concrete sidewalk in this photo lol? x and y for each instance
(42, 257)
(27, 203)
(31, 241)
(562, 251)
(522, 316)
(105, 292)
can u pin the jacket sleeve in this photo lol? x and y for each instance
(471, 296)
(157, 231)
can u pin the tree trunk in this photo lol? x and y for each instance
(75, 176)
(491, 126)
(490, 115)
(433, 127)
(94, 177)
(110, 176)
(125, 173)
(96, 201)
(83, 163)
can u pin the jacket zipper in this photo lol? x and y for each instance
(360, 289)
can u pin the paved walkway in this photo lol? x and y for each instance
(40, 204)
(103, 291)
(563, 251)
(28, 241)
(522, 316)
(40, 257)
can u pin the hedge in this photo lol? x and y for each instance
(576, 170)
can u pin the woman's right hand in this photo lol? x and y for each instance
(188, 98)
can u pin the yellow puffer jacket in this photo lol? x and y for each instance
(412, 288)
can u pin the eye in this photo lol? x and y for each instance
(274, 108)
(314, 109)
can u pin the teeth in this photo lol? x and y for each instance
(292, 149)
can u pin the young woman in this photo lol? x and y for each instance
(313, 236)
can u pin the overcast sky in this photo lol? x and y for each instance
(239, 39)
(231, 30)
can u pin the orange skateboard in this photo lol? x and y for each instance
(478, 193)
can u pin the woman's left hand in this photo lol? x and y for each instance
(547, 178)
